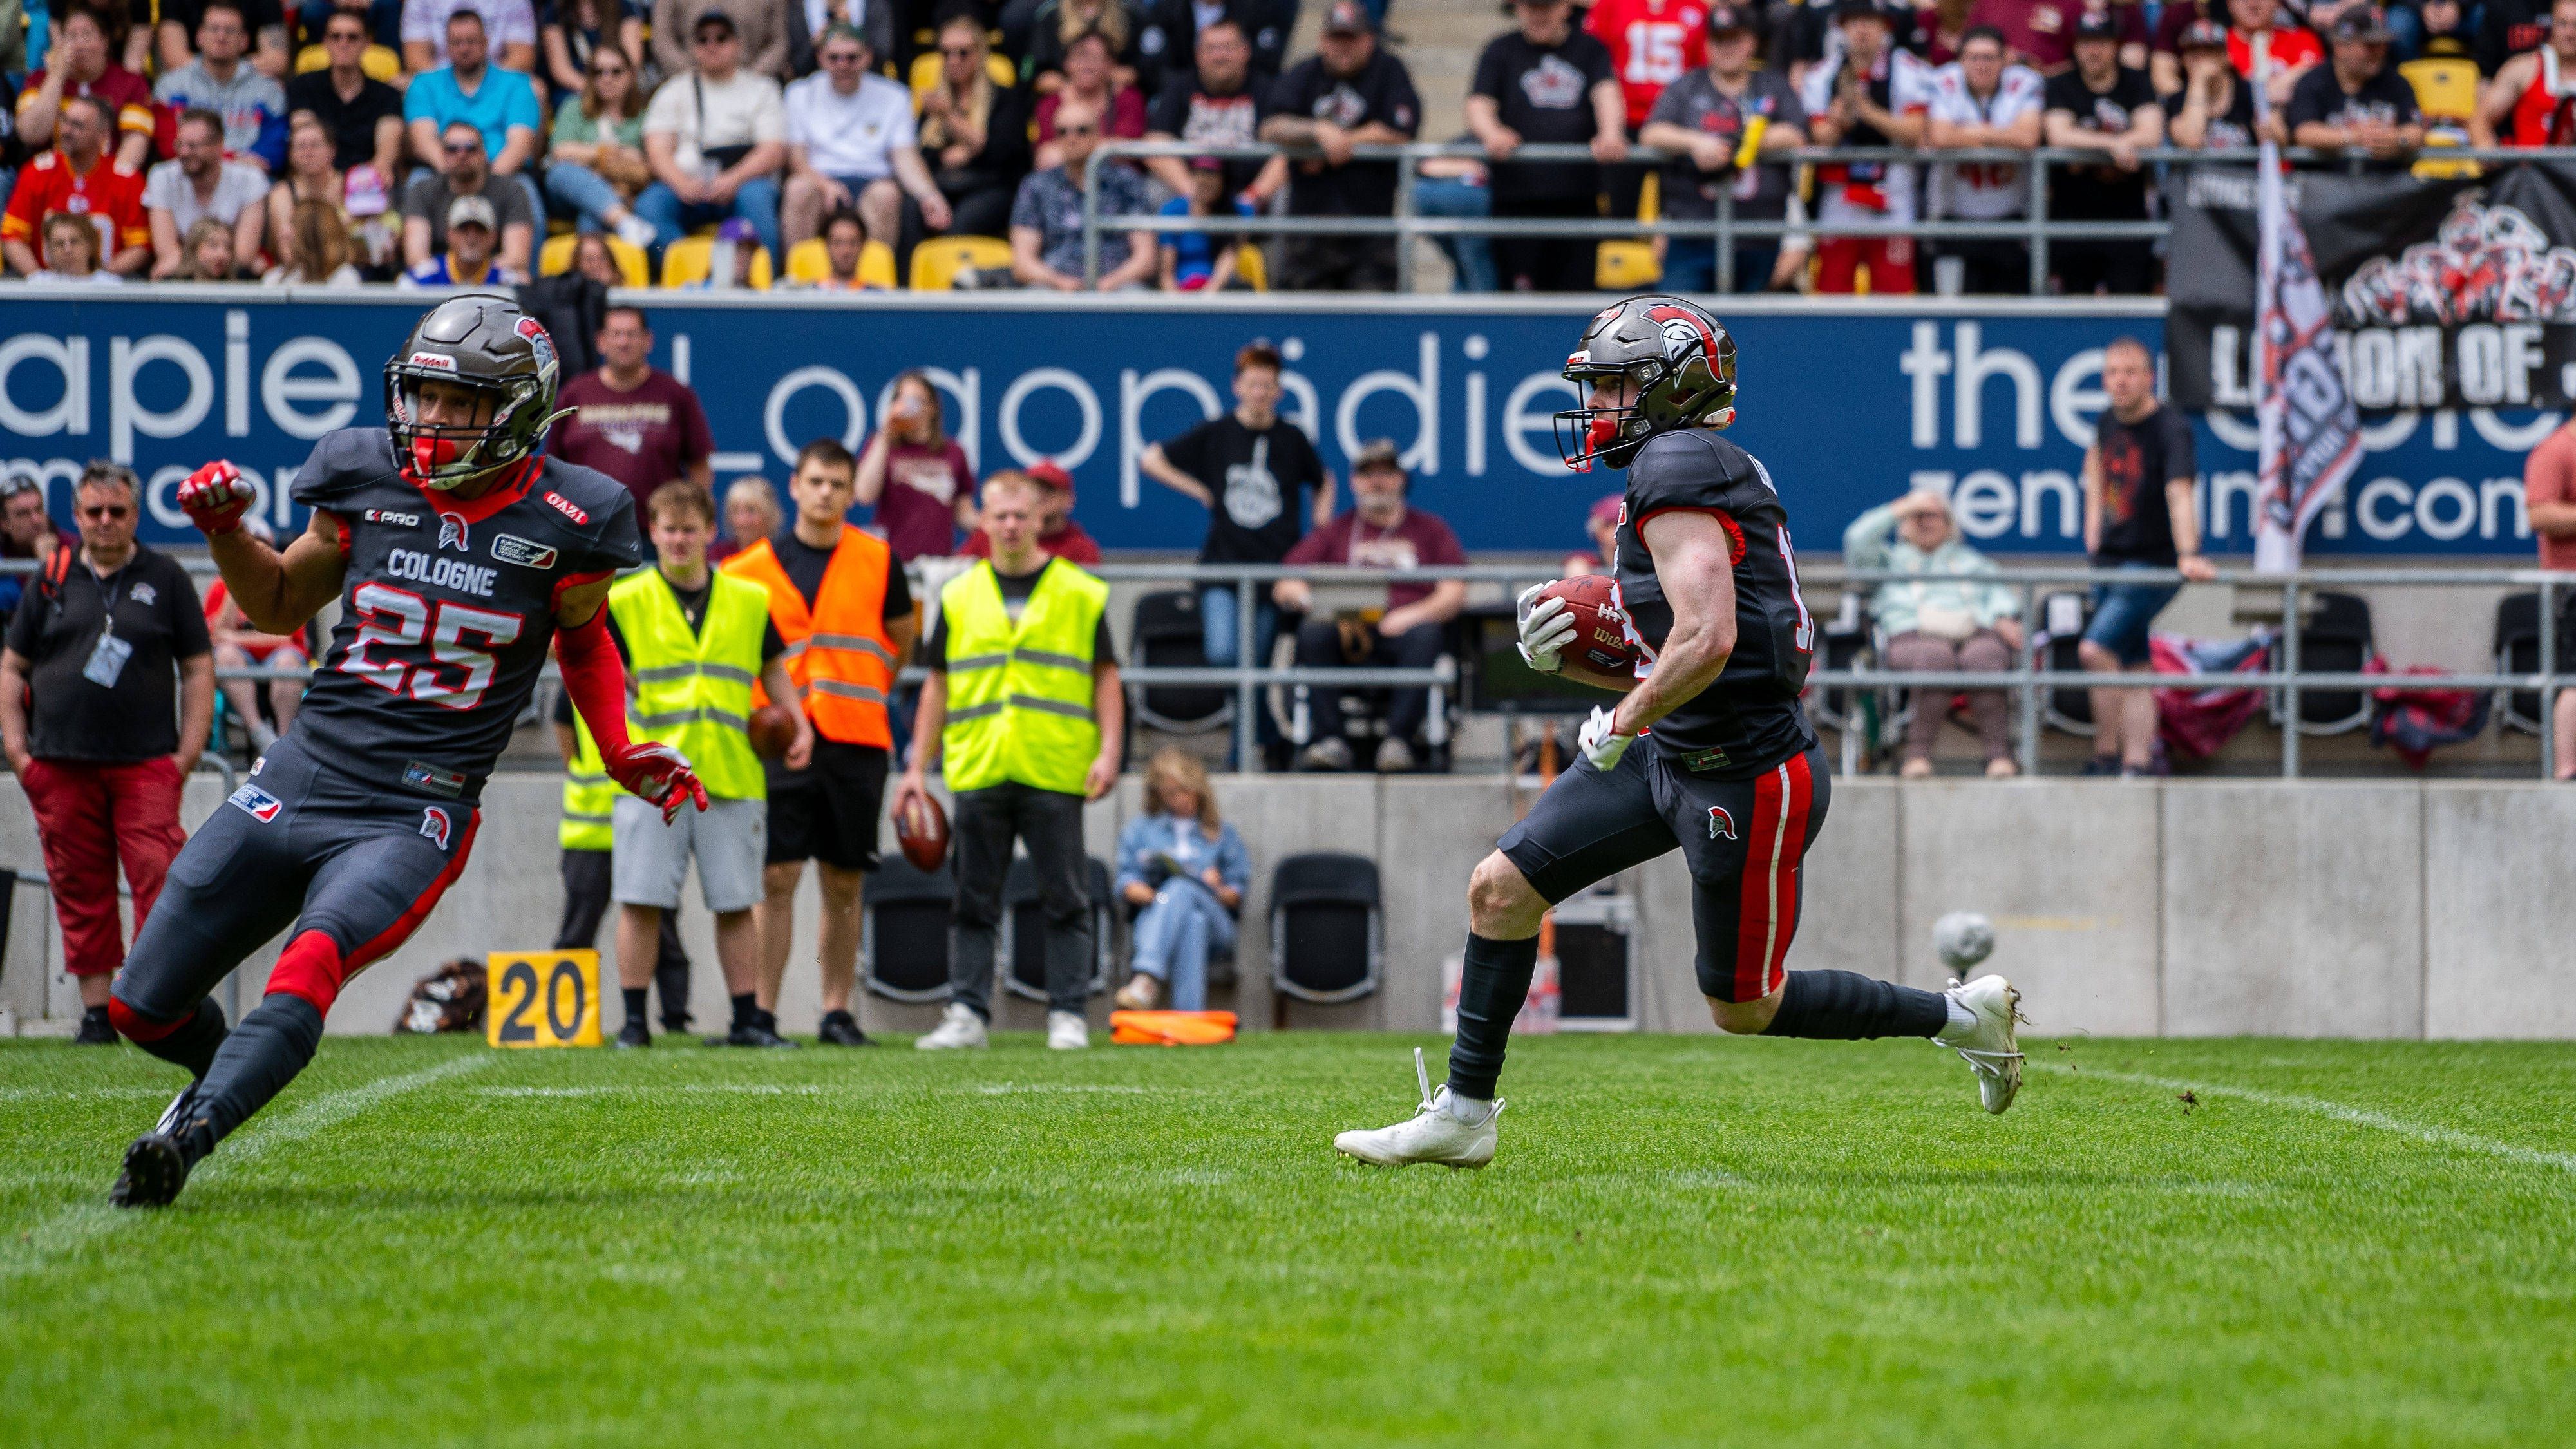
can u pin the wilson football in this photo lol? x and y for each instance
(773, 729)
(1600, 643)
(921, 828)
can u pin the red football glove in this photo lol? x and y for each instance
(214, 497)
(656, 773)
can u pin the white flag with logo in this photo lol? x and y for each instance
(2311, 435)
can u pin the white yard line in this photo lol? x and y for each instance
(67, 1230)
(2358, 1116)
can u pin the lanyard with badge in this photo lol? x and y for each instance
(107, 658)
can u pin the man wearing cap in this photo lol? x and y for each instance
(1350, 93)
(716, 140)
(2355, 102)
(1710, 121)
(467, 262)
(1378, 532)
(429, 198)
(761, 26)
(1872, 94)
(1058, 535)
(851, 144)
(2214, 111)
(2110, 109)
(1547, 83)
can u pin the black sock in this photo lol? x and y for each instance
(635, 1007)
(746, 1010)
(193, 1045)
(1492, 988)
(256, 1061)
(831, 1016)
(94, 1016)
(1847, 1006)
(768, 1020)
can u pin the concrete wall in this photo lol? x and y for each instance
(2321, 908)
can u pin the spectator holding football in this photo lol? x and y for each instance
(1184, 871)
(1381, 532)
(1949, 616)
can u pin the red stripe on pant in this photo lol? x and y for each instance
(312, 966)
(92, 817)
(1767, 909)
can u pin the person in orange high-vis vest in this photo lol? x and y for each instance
(839, 599)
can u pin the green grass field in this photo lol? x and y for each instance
(1685, 1241)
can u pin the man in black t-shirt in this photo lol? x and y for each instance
(2139, 477)
(1350, 94)
(106, 688)
(2356, 103)
(1219, 104)
(365, 115)
(1548, 83)
(2214, 111)
(2103, 106)
(1252, 469)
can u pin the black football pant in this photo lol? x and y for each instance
(586, 901)
(347, 868)
(1049, 822)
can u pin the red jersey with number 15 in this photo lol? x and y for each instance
(1653, 43)
(447, 608)
(108, 194)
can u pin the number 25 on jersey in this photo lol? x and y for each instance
(405, 626)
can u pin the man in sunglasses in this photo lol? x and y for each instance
(1046, 219)
(365, 114)
(431, 202)
(107, 684)
(851, 143)
(716, 139)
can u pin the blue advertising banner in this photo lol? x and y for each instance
(1849, 403)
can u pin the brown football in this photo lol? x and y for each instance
(773, 729)
(1600, 643)
(921, 828)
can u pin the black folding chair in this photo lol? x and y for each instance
(905, 918)
(1326, 928)
(1168, 634)
(2334, 638)
(1023, 937)
(2517, 651)
(2062, 619)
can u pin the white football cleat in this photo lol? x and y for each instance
(958, 1027)
(1990, 1046)
(1432, 1134)
(1067, 1031)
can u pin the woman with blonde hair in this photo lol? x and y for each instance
(975, 135)
(1186, 870)
(751, 513)
(1062, 22)
(317, 248)
(207, 254)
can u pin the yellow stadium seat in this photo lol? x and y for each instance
(1252, 267)
(876, 266)
(379, 63)
(809, 263)
(556, 258)
(1626, 266)
(925, 73)
(686, 262)
(936, 262)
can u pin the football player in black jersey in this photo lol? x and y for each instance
(1730, 772)
(458, 552)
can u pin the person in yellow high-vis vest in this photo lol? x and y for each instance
(583, 832)
(839, 599)
(695, 642)
(1023, 704)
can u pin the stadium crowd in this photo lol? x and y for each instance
(821, 142)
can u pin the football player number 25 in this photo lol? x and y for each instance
(542, 999)
(400, 622)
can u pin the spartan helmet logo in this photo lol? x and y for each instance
(433, 825)
(451, 530)
(1721, 824)
(1682, 332)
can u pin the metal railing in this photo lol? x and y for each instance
(2027, 680)
(2035, 228)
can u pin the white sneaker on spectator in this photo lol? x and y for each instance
(1067, 1031)
(636, 232)
(1991, 1046)
(1333, 753)
(1140, 993)
(958, 1027)
(1394, 757)
(1444, 1129)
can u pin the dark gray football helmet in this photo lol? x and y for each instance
(485, 342)
(1679, 363)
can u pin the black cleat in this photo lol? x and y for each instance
(841, 1029)
(155, 1170)
(94, 1031)
(750, 1034)
(634, 1034)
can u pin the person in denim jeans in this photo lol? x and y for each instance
(1187, 869)
(1457, 186)
(2138, 514)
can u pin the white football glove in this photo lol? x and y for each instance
(1547, 626)
(1602, 744)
